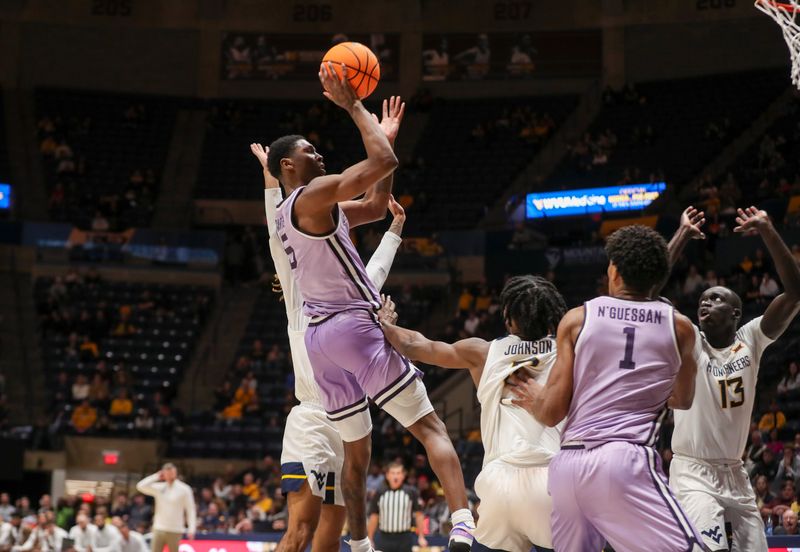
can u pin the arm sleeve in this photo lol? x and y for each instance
(381, 261)
(147, 485)
(272, 198)
(191, 512)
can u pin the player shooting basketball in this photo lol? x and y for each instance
(349, 355)
(707, 471)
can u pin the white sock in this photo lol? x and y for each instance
(463, 516)
(362, 545)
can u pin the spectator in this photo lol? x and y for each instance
(144, 422)
(791, 380)
(212, 521)
(107, 537)
(11, 534)
(471, 323)
(774, 419)
(693, 282)
(788, 524)
(767, 466)
(98, 390)
(100, 223)
(80, 389)
(250, 487)
(121, 508)
(130, 541)
(83, 534)
(789, 468)
(763, 496)
(84, 417)
(769, 287)
(140, 512)
(783, 501)
(465, 301)
(6, 508)
(122, 405)
(755, 450)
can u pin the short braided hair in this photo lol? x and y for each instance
(534, 304)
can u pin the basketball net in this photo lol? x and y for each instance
(786, 14)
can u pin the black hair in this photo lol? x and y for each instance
(640, 255)
(281, 149)
(534, 304)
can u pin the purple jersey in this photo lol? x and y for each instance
(626, 361)
(328, 269)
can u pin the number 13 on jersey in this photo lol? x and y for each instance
(731, 392)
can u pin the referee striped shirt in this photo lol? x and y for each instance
(395, 508)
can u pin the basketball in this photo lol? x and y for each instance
(363, 70)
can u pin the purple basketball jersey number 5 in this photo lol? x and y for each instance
(627, 362)
(289, 251)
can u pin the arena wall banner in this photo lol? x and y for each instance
(612, 199)
(501, 56)
(260, 56)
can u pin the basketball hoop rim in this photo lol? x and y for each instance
(779, 6)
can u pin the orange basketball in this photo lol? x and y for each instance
(363, 70)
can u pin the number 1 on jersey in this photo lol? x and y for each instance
(627, 362)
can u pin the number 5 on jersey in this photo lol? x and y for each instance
(738, 392)
(289, 251)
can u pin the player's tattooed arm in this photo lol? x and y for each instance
(782, 310)
(683, 390)
(467, 354)
(549, 403)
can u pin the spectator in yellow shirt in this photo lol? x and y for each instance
(250, 487)
(84, 417)
(465, 301)
(774, 419)
(122, 405)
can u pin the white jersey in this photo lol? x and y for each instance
(508, 432)
(717, 425)
(305, 388)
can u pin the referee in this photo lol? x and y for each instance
(391, 512)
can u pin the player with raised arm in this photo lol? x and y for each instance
(622, 360)
(312, 448)
(515, 508)
(709, 439)
(349, 354)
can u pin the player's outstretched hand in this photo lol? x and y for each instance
(261, 153)
(397, 211)
(393, 110)
(337, 89)
(387, 314)
(751, 221)
(692, 220)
